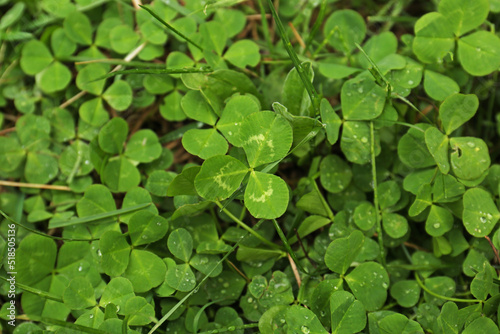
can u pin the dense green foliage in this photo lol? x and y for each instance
(197, 166)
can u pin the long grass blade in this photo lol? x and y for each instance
(38, 292)
(99, 216)
(171, 28)
(38, 232)
(316, 25)
(69, 325)
(178, 133)
(313, 95)
(288, 247)
(205, 69)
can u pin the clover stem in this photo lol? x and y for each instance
(246, 227)
(432, 293)
(323, 201)
(375, 195)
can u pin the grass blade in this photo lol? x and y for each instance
(100, 216)
(265, 26)
(178, 133)
(170, 27)
(38, 232)
(156, 71)
(69, 325)
(287, 246)
(38, 292)
(313, 95)
(317, 25)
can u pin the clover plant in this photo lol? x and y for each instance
(234, 166)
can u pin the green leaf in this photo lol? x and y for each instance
(446, 188)
(389, 194)
(295, 95)
(145, 270)
(355, 142)
(406, 292)
(470, 157)
(204, 143)
(335, 173)
(448, 321)
(482, 283)
(204, 264)
(171, 108)
(331, 121)
(12, 15)
(123, 38)
(61, 44)
(437, 144)
(35, 257)
(480, 213)
(183, 183)
(456, 110)
(395, 225)
(115, 253)
(11, 154)
(369, 282)
(78, 28)
(412, 150)
(214, 36)
(362, 99)
(439, 221)
(97, 199)
(343, 29)
(301, 320)
(219, 177)
(481, 325)
(158, 84)
(120, 175)
(33, 132)
(268, 137)
(180, 276)
(79, 294)
(439, 86)
(348, 314)
(62, 124)
(308, 226)
(196, 107)
(180, 244)
(342, 251)
(93, 112)
(158, 182)
(135, 197)
(118, 291)
(118, 95)
(479, 53)
(143, 146)
(464, 15)
(35, 57)
(365, 216)
(41, 167)
(112, 135)
(398, 323)
(235, 111)
(139, 311)
(243, 53)
(87, 75)
(433, 38)
(145, 227)
(75, 160)
(266, 195)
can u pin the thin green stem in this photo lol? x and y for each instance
(265, 26)
(329, 211)
(230, 329)
(246, 227)
(405, 100)
(432, 293)
(293, 55)
(317, 25)
(287, 246)
(375, 195)
(38, 292)
(171, 28)
(156, 71)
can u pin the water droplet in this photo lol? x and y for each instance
(223, 291)
(436, 225)
(478, 49)
(250, 300)
(226, 285)
(282, 320)
(231, 328)
(385, 285)
(144, 237)
(80, 268)
(360, 90)
(410, 82)
(305, 329)
(348, 94)
(91, 316)
(471, 144)
(483, 220)
(364, 140)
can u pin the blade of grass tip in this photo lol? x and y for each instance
(287, 247)
(40, 233)
(100, 216)
(295, 59)
(204, 69)
(171, 28)
(265, 26)
(375, 71)
(316, 25)
(197, 288)
(196, 319)
(38, 292)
